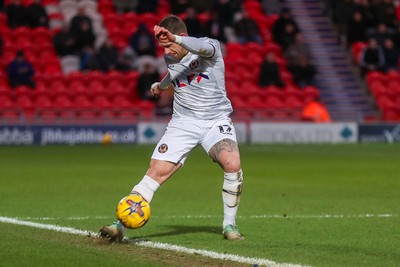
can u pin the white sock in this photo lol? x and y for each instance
(231, 190)
(146, 187)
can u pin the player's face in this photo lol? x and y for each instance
(174, 50)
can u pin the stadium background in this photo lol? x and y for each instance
(66, 93)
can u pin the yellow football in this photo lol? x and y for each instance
(133, 211)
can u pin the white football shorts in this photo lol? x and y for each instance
(182, 135)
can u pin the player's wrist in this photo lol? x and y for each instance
(154, 85)
(178, 39)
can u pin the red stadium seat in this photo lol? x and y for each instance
(96, 88)
(384, 102)
(255, 101)
(43, 102)
(62, 102)
(234, 50)
(41, 34)
(374, 76)
(105, 7)
(273, 102)
(391, 115)
(273, 91)
(82, 102)
(6, 102)
(25, 103)
(310, 92)
(22, 91)
(4, 89)
(77, 76)
(271, 47)
(95, 75)
(101, 102)
(293, 102)
(357, 47)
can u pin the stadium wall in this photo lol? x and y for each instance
(150, 133)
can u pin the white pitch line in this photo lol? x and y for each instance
(164, 246)
(263, 216)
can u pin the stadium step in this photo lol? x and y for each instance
(336, 78)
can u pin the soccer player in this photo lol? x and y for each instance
(201, 116)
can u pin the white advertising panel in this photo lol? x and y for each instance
(303, 133)
(151, 133)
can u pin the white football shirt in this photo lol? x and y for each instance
(199, 80)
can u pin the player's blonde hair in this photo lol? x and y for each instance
(174, 24)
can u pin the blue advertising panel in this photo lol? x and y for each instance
(386, 133)
(67, 134)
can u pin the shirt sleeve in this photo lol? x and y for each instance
(165, 82)
(197, 46)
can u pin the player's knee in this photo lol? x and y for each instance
(230, 164)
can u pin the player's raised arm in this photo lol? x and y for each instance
(191, 44)
(196, 46)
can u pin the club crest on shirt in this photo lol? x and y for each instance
(163, 148)
(194, 64)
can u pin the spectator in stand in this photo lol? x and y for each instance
(303, 72)
(193, 24)
(356, 29)
(316, 111)
(368, 16)
(107, 56)
(296, 49)
(124, 63)
(148, 6)
(142, 41)
(214, 29)
(342, 13)
(372, 57)
(78, 20)
(269, 72)
(386, 13)
(148, 75)
(20, 71)
(84, 37)
(88, 59)
(246, 29)
(125, 5)
(391, 54)
(202, 6)
(272, 7)
(1, 5)
(381, 33)
(37, 16)
(64, 42)
(16, 14)
(178, 6)
(288, 36)
(226, 10)
(280, 26)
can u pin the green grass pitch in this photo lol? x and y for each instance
(318, 205)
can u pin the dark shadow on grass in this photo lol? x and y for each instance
(175, 230)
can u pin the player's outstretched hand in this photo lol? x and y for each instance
(163, 35)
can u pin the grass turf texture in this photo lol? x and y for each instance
(285, 180)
